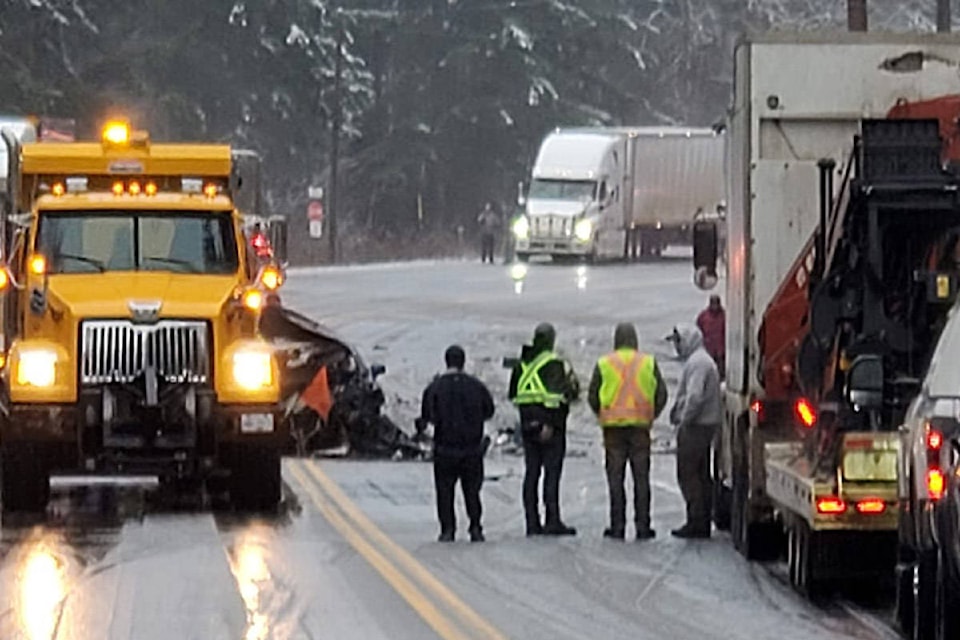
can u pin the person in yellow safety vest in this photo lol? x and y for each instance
(627, 393)
(542, 386)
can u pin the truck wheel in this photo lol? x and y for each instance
(802, 560)
(948, 602)
(924, 596)
(904, 601)
(754, 540)
(255, 482)
(25, 477)
(721, 497)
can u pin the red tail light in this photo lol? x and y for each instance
(934, 440)
(758, 410)
(831, 505)
(936, 484)
(871, 506)
(805, 412)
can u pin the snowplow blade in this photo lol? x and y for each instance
(355, 419)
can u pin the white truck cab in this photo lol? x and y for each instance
(573, 207)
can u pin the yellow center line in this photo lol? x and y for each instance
(413, 567)
(400, 583)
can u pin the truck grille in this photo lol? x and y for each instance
(551, 226)
(120, 351)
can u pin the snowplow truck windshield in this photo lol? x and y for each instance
(129, 313)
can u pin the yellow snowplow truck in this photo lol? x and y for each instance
(130, 306)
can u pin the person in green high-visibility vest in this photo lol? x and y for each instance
(542, 386)
(627, 392)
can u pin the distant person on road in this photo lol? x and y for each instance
(697, 413)
(713, 325)
(457, 405)
(627, 392)
(542, 386)
(489, 223)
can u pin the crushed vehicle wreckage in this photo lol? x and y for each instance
(331, 396)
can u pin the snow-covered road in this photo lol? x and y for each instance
(353, 555)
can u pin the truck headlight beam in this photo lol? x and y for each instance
(521, 228)
(583, 230)
(252, 370)
(37, 368)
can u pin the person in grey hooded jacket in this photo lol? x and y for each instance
(697, 413)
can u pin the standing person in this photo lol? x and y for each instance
(457, 404)
(713, 325)
(697, 413)
(489, 223)
(542, 386)
(627, 393)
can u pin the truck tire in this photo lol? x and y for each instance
(721, 497)
(802, 560)
(948, 602)
(754, 540)
(903, 607)
(924, 587)
(25, 477)
(255, 479)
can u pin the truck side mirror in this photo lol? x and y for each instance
(705, 254)
(864, 388)
(277, 226)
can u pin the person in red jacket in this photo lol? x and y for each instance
(713, 325)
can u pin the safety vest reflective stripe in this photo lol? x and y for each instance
(628, 385)
(530, 388)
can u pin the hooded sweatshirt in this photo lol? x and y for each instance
(625, 337)
(557, 376)
(698, 396)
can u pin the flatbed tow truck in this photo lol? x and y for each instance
(839, 205)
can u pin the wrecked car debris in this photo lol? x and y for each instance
(332, 399)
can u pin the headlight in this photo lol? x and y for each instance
(583, 230)
(521, 228)
(37, 368)
(252, 370)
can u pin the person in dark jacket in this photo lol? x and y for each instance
(457, 404)
(542, 386)
(627, 393)
(713, 326)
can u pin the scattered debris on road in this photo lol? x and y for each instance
(349, 419)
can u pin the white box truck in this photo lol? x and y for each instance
(616, 192)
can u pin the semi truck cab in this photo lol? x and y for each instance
(129, 323)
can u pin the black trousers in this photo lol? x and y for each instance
(546, 456)
(693, 472)
(468, 469)
(486, 247)
(622, 445)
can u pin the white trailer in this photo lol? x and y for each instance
(614, 192)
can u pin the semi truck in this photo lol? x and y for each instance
(840, 216)
(603, 193)
(129, 313)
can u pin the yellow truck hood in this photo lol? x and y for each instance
(110, 295)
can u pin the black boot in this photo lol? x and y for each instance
(558, 529)
(611, 532)
(687, 531)
(534, 529)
